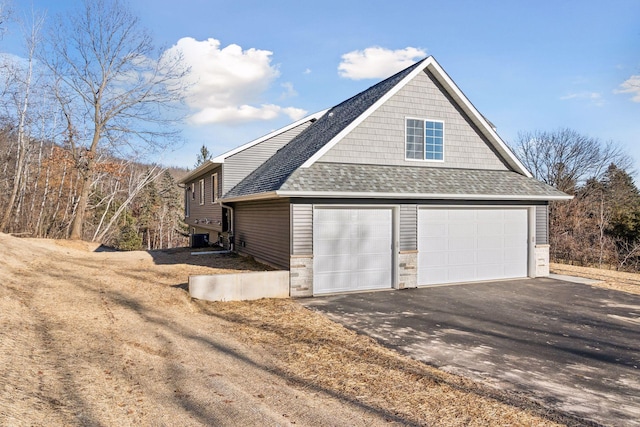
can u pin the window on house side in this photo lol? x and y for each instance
(424, 140)
(202, 191)
(187, 203)
(214, 188)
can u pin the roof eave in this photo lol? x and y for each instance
(203, 168)
(424, 196)
(251, 197)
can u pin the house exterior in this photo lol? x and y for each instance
(405, 184)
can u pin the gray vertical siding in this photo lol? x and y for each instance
(262, 230)
(240, 165)
(380, 138)
(542, 225)
(408, 227)
(302, 229)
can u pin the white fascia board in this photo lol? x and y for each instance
(478, 118)
(314, 116)
(328, 146)
(429, 196)
(250, 197)
(203, 168)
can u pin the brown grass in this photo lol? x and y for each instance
(609, 279)
(110, 338)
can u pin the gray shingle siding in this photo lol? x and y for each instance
(380, 138)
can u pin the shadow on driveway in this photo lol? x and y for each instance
(572, 347)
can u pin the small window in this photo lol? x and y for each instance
(424, 140)
(193, 191)
(214, 188)
(202, 191)
(187, 203)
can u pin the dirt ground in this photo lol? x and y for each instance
(93, 337)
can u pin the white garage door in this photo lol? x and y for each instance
(465, 245)
(351, 249)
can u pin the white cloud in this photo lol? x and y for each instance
(595, 98)
(377, 62)
(307, 71)
(632, 86)
(289, 91)
(244, 113)
(227, 85)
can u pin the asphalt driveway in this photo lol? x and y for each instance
(574, 347)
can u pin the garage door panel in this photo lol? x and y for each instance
(490, 242)
(461, 243)
(329, 247)
(331, 282)
(432, 259)
(352, 249)
(462, 230)
(333, 263)
(490, 256)
(467, 244)
(373, 279)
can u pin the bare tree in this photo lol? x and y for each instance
(113, 87)
(22, 83)
(565, 159)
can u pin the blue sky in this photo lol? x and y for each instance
(525, 65)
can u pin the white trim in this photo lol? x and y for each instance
(215, 188)
(453, 90)
(427, 196)
(424, 143)
(475, 115)
(202, 188)
(365, 195)
(314, 116)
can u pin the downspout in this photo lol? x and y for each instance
(231, 232)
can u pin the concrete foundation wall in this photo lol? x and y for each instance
(301, 276)
(542, 260)
(240, 286)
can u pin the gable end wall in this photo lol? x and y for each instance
(380, 138)
(240, 165)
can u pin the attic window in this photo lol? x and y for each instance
(424, 139)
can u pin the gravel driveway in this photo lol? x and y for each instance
(572, 346)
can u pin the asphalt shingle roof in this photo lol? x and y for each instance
(358, 178)
(275, 171)
(282, 171)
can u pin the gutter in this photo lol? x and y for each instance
(366, 195)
